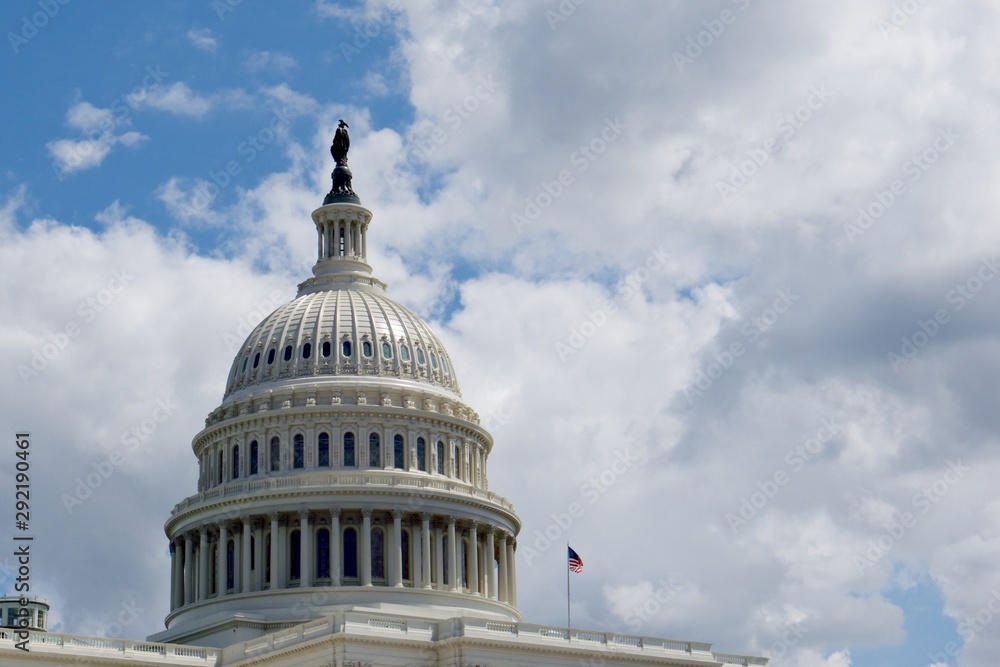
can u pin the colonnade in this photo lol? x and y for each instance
(340, 547)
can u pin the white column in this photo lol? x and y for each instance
(237, 560)
(203, 563)
(473, 565)
(396, 550)
(512, 575)
(188, 569)
(336, 543)
(453, 552)
(425, 548)
(439, 553)
(281, 573)
(258, 555)
(491, 569)
(245, 567)
(221, 569)
(274, 552)
(305, 551)
(416, 554)
(366, 547)
(177, 578)
(502, 568)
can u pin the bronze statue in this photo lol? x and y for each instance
(341, 190)
(341, 144)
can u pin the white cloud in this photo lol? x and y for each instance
(99, 134)
(276, 61)
(177, 98)
(202, 38)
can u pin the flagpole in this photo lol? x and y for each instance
(568, 626)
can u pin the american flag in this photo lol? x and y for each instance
(575, 562)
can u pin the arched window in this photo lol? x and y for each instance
(404, 353)
(219, 467)
(243, 368)
(288, 353)
(349, 461)
(386, 350)
(270, 356)
(256, 360)
(275, 454)
(230, 564)
(267, 558)
(253, 553)
(463, 561)
(366, 348)
(326, 348)
(440, 453)
(421, 454)
(444, 364)
(345, 348)
(324, 450)
(323, 554)
(457, 462)
(342, 247)
(374, 450)
(253, 457)
(236, 461)
(434, 360)
(397, 451)
(350, 553)
(299, 451)
(405, 554)
(307, 350)
(295, 555)
(378, 554)
(420, 356)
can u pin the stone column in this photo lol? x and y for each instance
(203, 563)
(274, 551)
(188, 569)
(396, 550)
(512, 576)
(281, 573)
(245, 567)
(502, 568)
(439, 553)
(336, 544)
(222, 565)
(177, 576)
(473, 558)
(491, 569)
(305, 550)
(453, 552)
(237, 558)
(366, 547)
(416, 554)
(258, 555)
(425, 548)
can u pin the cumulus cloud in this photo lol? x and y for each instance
(100, 131)
(202, 38)
(275, 61)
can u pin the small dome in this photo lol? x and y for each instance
(351, 330)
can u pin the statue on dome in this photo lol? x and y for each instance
(342, 191)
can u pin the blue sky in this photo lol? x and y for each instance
(752, 243)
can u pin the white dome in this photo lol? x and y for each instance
(352, 330)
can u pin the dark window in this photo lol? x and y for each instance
(345, 347)
(275, 454)
(244, 367)
(456, 462)
(374, 450)
(230, 564)
(444, 364)
(351, 553)
(463, 561)
(219, 467)
(445, 557)
(420, 356)
(270, 356)
(434, 360)
(440, 453)
(405, 549)
(213, 582)
(253, 457)
(326, 348)
(236, 462)
(349, 450)
(267, 558)
(299, 451)
(404, 353)
(307, 350)
(253, 553)
(295, 555)
(378, 560)
(256, 360)
(397, 451)
(288, 353)
(323, 554)
(386, 350)
(421, 453)
(341, 242)
(366, 348)
(324, 450)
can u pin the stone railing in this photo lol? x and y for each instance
(138, 651)
(372, 479)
